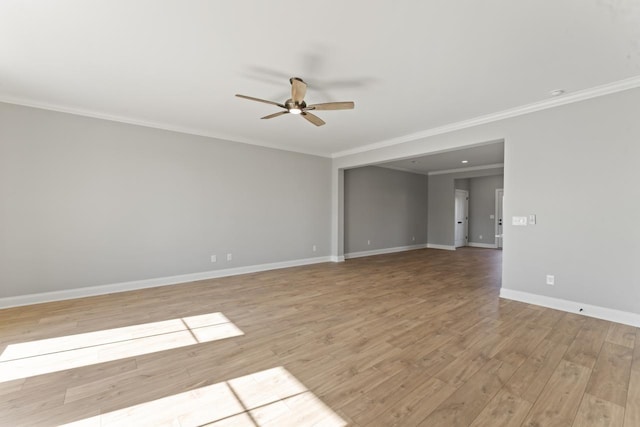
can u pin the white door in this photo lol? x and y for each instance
(461, 218)
(499, 201)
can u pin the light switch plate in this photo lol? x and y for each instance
(532, 219)
(519, 220)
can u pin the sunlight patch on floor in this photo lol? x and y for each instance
(38, 357)
(268, 398)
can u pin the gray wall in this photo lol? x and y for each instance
(442, 204)
(482, 204)
(461, 184)
(89, 202)
(386, 206)
(576, 167)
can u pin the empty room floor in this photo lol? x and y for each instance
(408, 339)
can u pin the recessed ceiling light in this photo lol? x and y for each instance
(556, 92)
(465, 161)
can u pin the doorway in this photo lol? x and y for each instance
(461, 218)
(499, 203)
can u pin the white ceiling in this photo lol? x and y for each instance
(410, 66)
(476, 158)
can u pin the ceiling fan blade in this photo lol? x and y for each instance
(298, 89)
(332, 106)
(271, 116)
(251, 98)
(313, 118)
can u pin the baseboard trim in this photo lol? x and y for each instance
(612, 315)
(482, 245)
(152, 283)
(337, 258)
(384, 251)
(443, 247)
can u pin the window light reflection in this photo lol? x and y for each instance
(265, 399)
(38, 357)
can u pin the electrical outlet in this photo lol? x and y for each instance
(368, 242)
(214, 258)
(480, 237)
(314, 248)
(413, 238)
(229, 257)
(551, 280)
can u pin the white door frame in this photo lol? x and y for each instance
(466, 218)
(498, 240)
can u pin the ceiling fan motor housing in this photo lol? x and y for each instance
(290, 103)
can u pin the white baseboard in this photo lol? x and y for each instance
(384, 251)
(444, 247)
(604, 313)
(482, 245)
(337, 258)
(151, 283)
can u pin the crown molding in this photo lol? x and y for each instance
(606, 89)
(569, 98)
(467, 169)
(152, 124)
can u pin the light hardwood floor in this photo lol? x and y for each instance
(408, 339)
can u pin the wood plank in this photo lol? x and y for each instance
(468, 363)
(566, 329)
(524, 340)
(303, 409)
(559, 401)
(533, 374)
(418, 404)
(632, 410)
(435, 361)
(635, 364)
(622, 335)
(594, 412)
(11, 387)
(340, 393)
(504, 410)
(610, 377)
(378, 399)
(463, 406)
(585, 348)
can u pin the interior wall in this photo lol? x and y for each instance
(482, 205)
(385, 207)
(441, 221)
(462, 184)
(88, 202)
(575, 167)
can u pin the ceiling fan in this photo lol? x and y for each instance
(296, 104)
